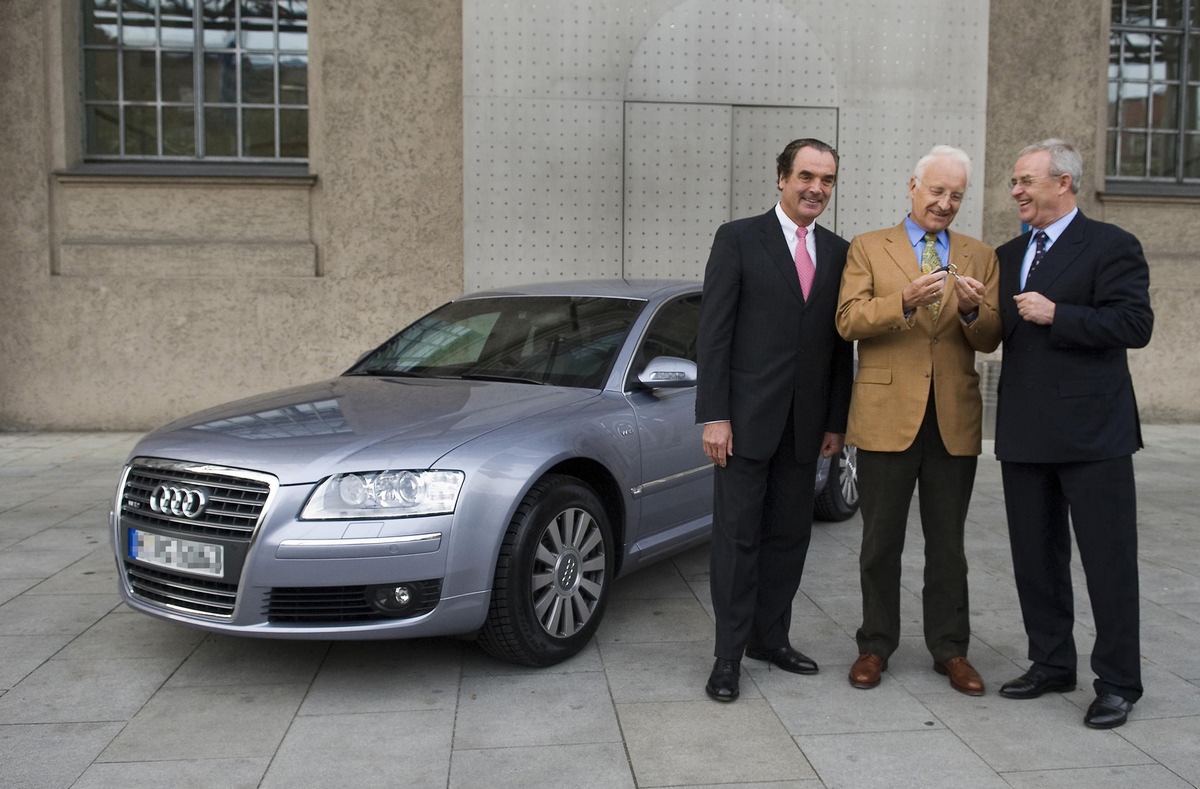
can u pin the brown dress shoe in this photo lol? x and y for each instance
(865, 671)
(963, 676)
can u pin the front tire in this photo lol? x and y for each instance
(552, 577)
(838, 500)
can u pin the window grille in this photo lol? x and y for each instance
(1154, 92)
(196, 80)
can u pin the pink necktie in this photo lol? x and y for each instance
(804, 264)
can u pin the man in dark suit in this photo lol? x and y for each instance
(1074, 295)
(774, 390)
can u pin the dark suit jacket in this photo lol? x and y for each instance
(1065, 391)
(762, 350)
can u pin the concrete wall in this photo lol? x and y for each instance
(668, 122)
(1047, 69)
(127, 301)
(131, 300)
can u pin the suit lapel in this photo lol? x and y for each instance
(900, 250)
(828, 274)
(1010, 281)
(776, 248)
(1060, 256)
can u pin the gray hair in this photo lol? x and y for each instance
(1063, 159)
(939, 152)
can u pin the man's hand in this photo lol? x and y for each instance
(718, 442)
(924, 290)
(970, 292)
(1035, 308)
(832, 444)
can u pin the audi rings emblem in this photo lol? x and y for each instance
(175, 500)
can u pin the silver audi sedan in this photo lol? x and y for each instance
(488, 470)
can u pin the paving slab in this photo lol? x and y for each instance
(933, 759)
(371, 750)
(96, 695)
(689, 742)
(596, 766)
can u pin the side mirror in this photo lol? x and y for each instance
(668, 372)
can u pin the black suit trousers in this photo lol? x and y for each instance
(1098, 499)
(762, 525)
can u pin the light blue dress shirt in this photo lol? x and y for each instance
(916, 237)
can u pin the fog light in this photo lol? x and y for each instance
(392, 599)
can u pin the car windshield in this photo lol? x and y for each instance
(556, 340)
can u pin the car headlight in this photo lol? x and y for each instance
(384, 494)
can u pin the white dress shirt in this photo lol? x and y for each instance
(789, 233)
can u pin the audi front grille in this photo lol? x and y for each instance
(235, 499)
(181, 593)
(199, 502)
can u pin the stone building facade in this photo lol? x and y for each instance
(457, 145)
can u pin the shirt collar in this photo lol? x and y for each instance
(1055, 228)
(916, 234)
(789, 227)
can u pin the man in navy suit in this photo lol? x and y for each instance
(773, 391)
(1074, 295)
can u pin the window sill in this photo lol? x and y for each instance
(181, 173)
(1149, 192)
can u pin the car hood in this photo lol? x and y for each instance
(351, 423)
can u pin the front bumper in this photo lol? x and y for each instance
(281, 577)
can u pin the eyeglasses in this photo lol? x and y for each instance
(952, 270)
(1027, 181)
(938, 192)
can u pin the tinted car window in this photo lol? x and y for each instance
(673, 330)
(557, 340)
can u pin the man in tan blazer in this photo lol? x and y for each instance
(920, 301)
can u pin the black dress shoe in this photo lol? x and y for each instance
(723, 681)
(1108, 711)
(1034, 683)
(785, 658)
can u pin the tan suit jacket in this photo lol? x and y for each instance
(898, 357)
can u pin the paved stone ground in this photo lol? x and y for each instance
(94, 695)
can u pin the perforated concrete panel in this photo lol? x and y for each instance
(543, 191)
(744, 53)
(597, 135)
(759, 135)
(676, 186)
(690, 167)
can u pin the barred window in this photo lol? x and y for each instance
(1154, 92)
(196, 80)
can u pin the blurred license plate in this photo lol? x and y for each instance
(186, 556)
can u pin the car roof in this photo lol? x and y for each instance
(610, 288)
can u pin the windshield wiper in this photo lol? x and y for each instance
(514, 379)
(389, 373)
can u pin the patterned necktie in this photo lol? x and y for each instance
(930, 262)
(1041, 238)
(804, 265)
